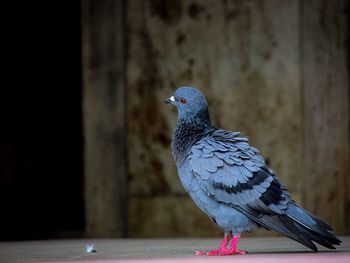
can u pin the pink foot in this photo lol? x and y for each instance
(222, 250)
(240, 252)
(215, 252)
(233, 248)
(218, 252)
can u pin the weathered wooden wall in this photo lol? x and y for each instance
(246, 56)
(325, 86)
(239, 54)
(277, 71)
(103, 114)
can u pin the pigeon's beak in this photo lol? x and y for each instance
(170, 100)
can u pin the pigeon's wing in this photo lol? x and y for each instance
(229, 170)
(233, 172)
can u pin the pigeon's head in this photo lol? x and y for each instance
(190, 103)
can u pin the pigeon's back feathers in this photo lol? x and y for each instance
(228, 168)
(232, 173)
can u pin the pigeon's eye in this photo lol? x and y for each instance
(183, 100)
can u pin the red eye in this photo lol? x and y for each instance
(183, 100)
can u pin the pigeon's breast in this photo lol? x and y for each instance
(184, 136)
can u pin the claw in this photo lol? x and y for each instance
(222, 250)
(241, 252)
(213, 253)
(218, 252)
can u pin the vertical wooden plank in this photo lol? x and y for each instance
(325, 83)
(103, 110)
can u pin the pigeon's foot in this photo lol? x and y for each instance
(215, 252)
(233, 248)
(220, 252)
(223, 250)
(240, 252)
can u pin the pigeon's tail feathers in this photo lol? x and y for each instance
(287, 227)
(299, 228)
(313, 226)
(314, 236)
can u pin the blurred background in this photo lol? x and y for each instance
(85, 136)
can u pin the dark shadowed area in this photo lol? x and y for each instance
(85, 136)
(41, 142)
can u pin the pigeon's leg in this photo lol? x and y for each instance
(233, 248)
(222, 250)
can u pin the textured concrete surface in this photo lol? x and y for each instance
(160, 250)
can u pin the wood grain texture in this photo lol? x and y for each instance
(239, 54)
(103, 113)
(325, 85)
(276, 71)
(168, 216)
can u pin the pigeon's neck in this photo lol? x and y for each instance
(186, 133)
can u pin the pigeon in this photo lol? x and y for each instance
(229, 181)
